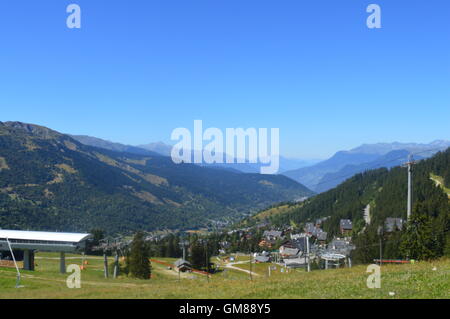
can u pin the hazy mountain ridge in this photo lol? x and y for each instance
(163, 149)
(391, 159)
(344, 164)
(97, 142)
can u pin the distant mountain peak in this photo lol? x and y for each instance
(344, 164)
(384, 148)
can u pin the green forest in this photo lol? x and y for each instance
(386, 191)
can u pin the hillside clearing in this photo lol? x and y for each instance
(439, 181)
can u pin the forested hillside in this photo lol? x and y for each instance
(386, 191)
(49, 181)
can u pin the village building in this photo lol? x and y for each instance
(31, 241)
(183, 265)
(310, 228)
(293, 248)
(346, 226)
(266, 243)
(289, 250)
(272, 234)
(322, 237)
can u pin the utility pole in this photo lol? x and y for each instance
(183, 244)
(409, 164)
(380, 233)
(307, 251)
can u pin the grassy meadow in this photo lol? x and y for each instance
(419, 280)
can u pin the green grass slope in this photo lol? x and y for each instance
(420, 280)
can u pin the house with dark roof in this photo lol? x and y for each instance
(310, 228)
(272, 234)
(183, 265)
(346, 226)
(293, 248)
(322, 237)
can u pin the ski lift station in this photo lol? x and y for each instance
(332, 259)
(31, 241)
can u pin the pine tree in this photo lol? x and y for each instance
(140, 266)
(417, 241)
(197, 258)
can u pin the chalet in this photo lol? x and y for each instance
(289, 250)
(272, 234)
(266, 243)
(310, 228)
(322, 237)
(293, 247)
(183, 265)
(346, 226)
(393, 224)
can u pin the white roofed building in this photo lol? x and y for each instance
(31, 241)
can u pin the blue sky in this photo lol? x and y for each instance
(138, 69)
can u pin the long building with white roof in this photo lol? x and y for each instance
(31, 241)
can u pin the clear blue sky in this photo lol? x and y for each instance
(138, 69)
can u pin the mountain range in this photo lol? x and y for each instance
(286, 164)
(51, 181)
(344, 164)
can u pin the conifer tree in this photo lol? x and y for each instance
(417, 241)
(140, 266)
(197, 257)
